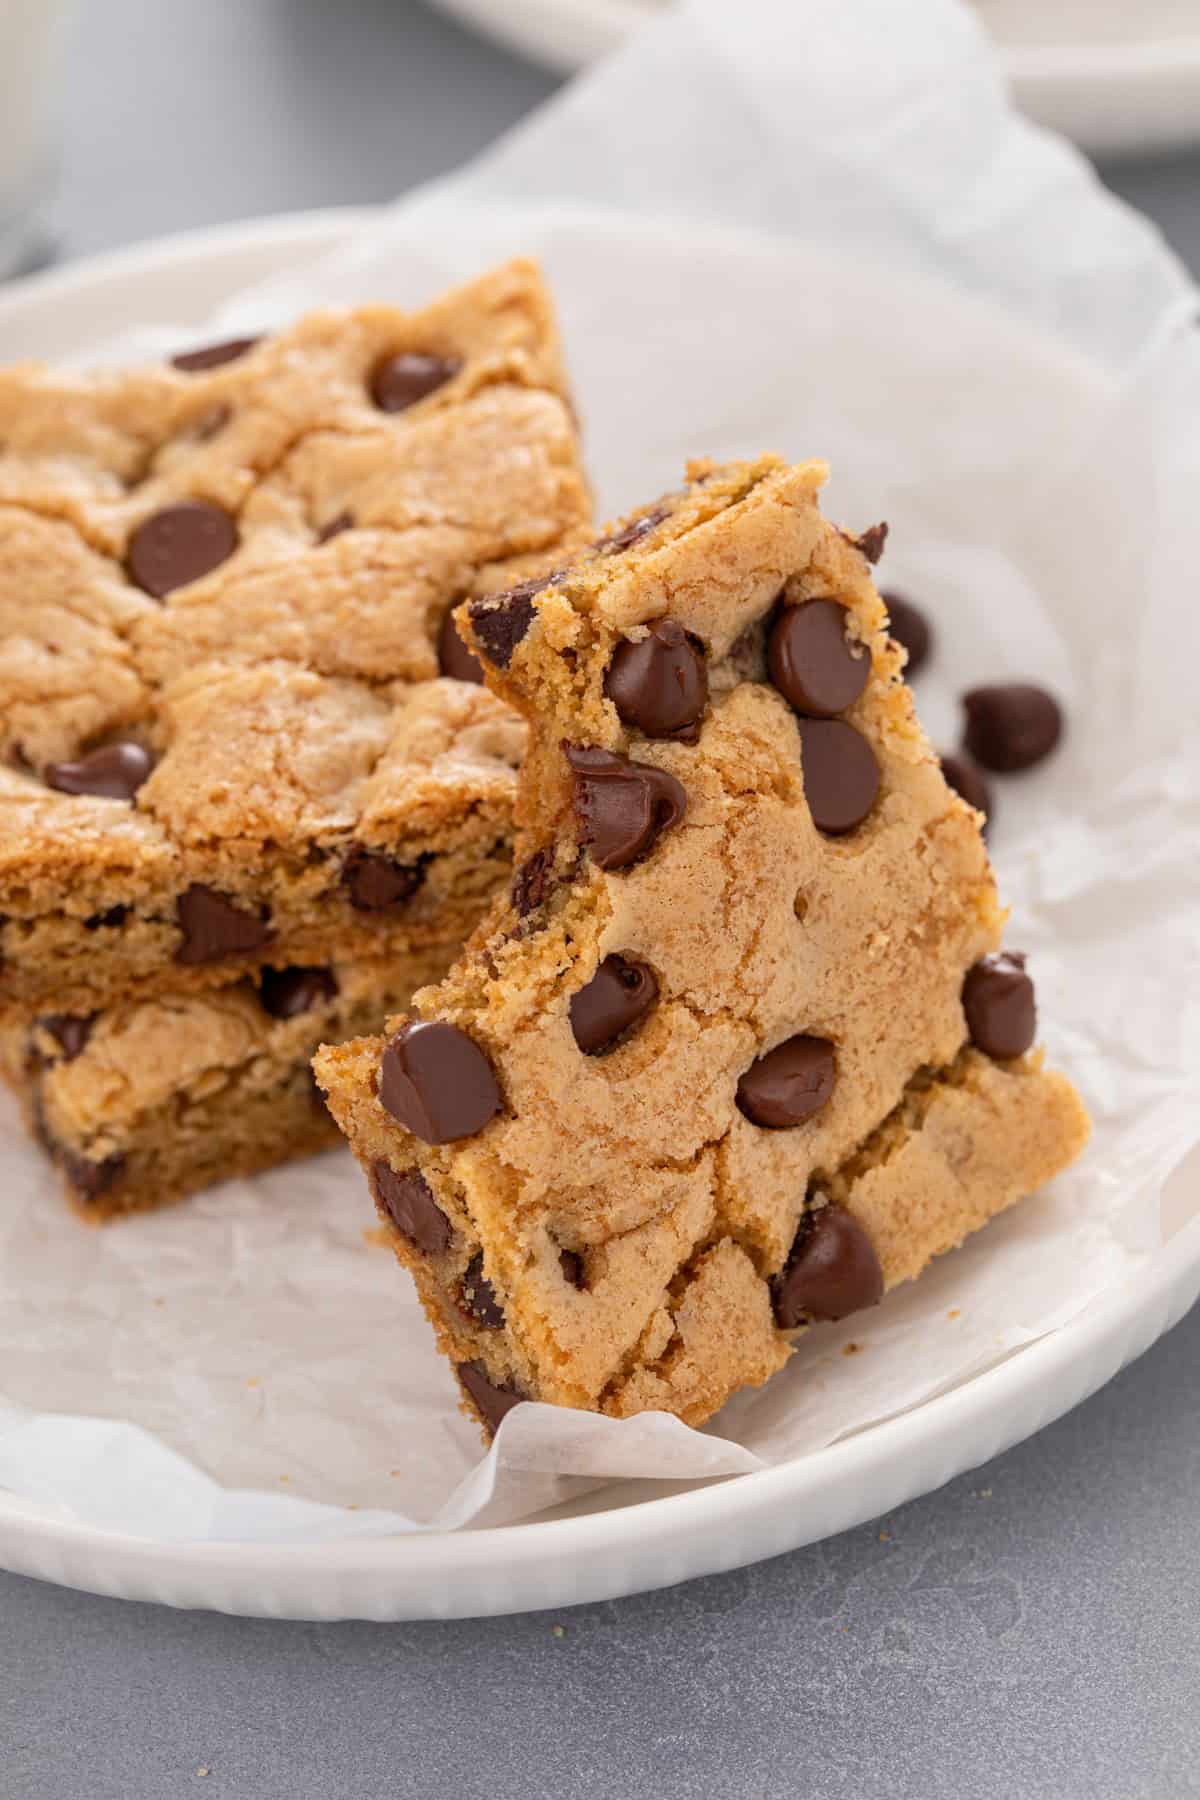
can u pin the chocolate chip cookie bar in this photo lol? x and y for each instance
(237, 727)
(740, 1050)
(146, 1101)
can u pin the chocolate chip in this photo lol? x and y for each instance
(832, 1270)
(408, 1201)
(999, 1004)
(398, 382)
(69, 1030)
(841, 776)
(1011, 726)
(91, 1179)
(871, 541)
(532, 882)
(501, 620)
(968, 782)
(620, 993)
(116, 915)
(207, 424)
(344, 521)
(659, 684)
(316, 1093)
(628, 535)
(571, 1264)
(212, 356)
(284, 993)
(375, 882)
(816, 667)
(214, 927)
(437, 1082)
(479, 1300)
(789, 1084)
(621, 807)
(492, 1403)
(747, 654)
(454, 659)
(114, 771)
(178, 545)
(910, 628)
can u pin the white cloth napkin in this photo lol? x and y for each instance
(820, 230)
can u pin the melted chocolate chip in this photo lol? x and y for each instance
(479, 1300)
(532, 882)
(284, 993)
(618, 996)
(747, 654)
(90, 1179)
(911, 630)
(375, 882)
(628, 535)
(999, 1004)
(116, 915)
(492, 1403)
(1011, 726)
(213, 356)
(871, 541)
(70, 1031)
(206, 425)
(832, 1270)
(621, 807)
(344, 521)
(398, 382)
(501, 620)
(408, 1201)
(841, 776)
(659, 685)
(571, 1264)
(454, 659)
(437, 1082)
(178, 545)
(789, 1084)
(968, 782)
(113, 771)
(816, 667)
(214, 927)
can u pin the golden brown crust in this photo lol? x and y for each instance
(292, 695)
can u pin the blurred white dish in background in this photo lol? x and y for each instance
(1116, 23)
(1117, 76)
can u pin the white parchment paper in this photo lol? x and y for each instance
(772, 225)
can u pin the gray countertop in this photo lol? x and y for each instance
(1031, 1630)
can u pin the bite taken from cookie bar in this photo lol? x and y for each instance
(236, 725)
(741, 1049)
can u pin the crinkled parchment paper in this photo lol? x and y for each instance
(834, 241)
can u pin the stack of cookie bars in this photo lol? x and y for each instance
(253, 793)
(735, 1049)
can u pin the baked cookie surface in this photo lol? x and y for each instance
(236, 726)
(739, 1050)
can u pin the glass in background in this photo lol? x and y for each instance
(31, 37)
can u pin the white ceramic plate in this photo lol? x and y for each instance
(1127, 92)
(625, 1538)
